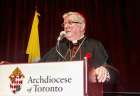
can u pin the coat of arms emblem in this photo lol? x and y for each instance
(16, 80)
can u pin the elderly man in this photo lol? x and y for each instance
(75, 45)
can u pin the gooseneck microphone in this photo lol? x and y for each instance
(61, 36)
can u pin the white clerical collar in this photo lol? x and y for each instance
(75, 41)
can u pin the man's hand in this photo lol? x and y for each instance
(99, 74)
(4, 62)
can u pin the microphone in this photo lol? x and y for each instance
(61, 36)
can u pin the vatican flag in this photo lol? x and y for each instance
(33, 48)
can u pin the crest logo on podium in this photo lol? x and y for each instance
(16, 80)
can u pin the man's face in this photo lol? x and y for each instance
(73, 28)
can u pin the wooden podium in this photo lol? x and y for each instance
(95, 89)
(66, 79)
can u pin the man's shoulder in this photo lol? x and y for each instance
(93, 41)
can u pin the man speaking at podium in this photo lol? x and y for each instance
(72, 44)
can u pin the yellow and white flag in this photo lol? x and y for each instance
(33, 48)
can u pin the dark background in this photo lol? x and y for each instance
(114, 22)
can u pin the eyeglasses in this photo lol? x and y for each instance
(70, 23)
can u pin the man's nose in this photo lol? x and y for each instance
(66, 26)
